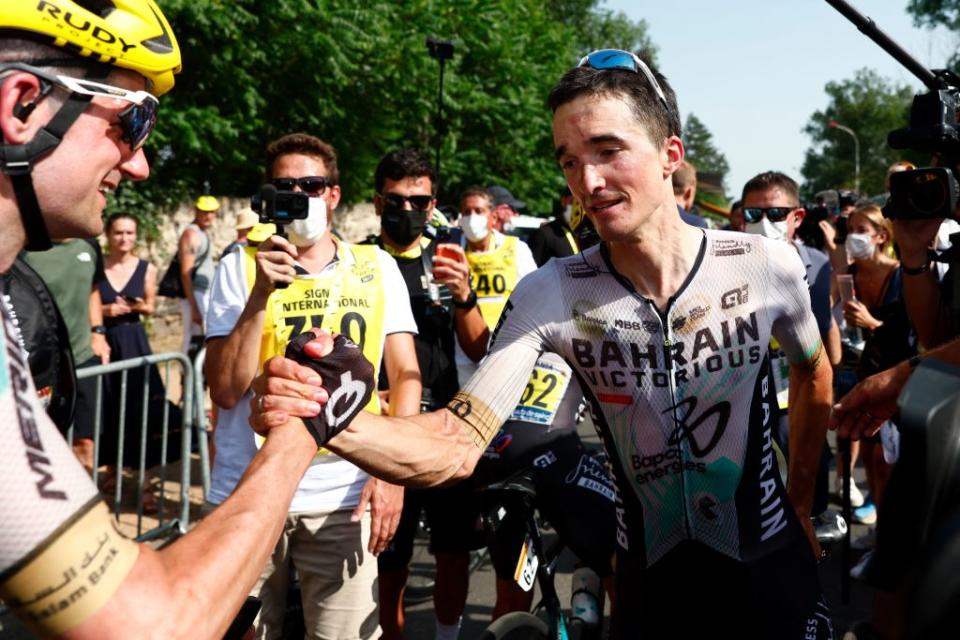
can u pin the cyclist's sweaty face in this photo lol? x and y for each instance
(611, 165)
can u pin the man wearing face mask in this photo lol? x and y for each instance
(497, 262)
(555, 239)
(771, 208)
(445, 310)
(340, 518)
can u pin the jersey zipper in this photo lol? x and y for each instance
(671, 383)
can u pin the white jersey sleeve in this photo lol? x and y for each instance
(794, 325)
(488, 399)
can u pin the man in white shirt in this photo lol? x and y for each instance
(354, 290)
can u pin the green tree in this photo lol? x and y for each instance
(361, 79)
(701, 150)
(871, 106)
(931, 13)
(938, 13)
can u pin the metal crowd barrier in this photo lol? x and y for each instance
(175, 526)
(201, 420)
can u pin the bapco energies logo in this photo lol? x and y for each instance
(345, 401)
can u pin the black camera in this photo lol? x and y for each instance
(280, 207)
(930, 192)
(922, 194)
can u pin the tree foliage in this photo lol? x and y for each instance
(358, 76)
(701, 150)
(871, 106)
(931, 13)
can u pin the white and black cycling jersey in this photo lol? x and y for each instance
(681, 395)
(61, 555)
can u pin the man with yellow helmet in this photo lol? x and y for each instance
(78, 87)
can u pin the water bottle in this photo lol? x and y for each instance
(585, 598)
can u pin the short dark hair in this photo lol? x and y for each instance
(120, 215)
(404, 163)
(475, 190)
(305, 145)
(773, 180)
(660, 122)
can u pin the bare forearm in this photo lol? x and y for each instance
(472, 333)
(232, 361)
(811, 394)
(227, 550)
(405, 395)
(194, 588)
(420, 451)
(95, 310)
(921, 293)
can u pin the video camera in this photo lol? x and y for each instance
(280, 207)
(930, 192)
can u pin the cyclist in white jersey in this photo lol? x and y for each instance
(77, 86)
(666, 327)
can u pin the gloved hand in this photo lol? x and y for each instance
(348, 378)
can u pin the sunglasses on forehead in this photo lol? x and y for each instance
(395, 200)
(773, 214)
(313, 185)
(604, 59)
(137, 120)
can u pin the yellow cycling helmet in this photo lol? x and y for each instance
(131, 34)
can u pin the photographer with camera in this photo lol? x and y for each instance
(263, 298)
(445, 309)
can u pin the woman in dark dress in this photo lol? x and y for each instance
(128, 292)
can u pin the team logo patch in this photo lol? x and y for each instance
(723, 248)
(735, 297)
(580, 270)
(585, 320)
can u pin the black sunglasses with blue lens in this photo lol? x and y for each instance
(773, 214)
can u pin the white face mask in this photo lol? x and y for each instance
(859, 246)
(306, 232)
(567, 214)
(474, 226)
(767, 229)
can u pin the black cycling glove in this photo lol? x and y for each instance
(348, 378)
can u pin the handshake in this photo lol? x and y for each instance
(324, 379)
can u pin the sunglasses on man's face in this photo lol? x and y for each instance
(312, 185)
(773, 214)
(397, 201)
(137, 120)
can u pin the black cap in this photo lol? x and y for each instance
(501, 195)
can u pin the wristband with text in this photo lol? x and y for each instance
(469, 303)
(348, 378)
